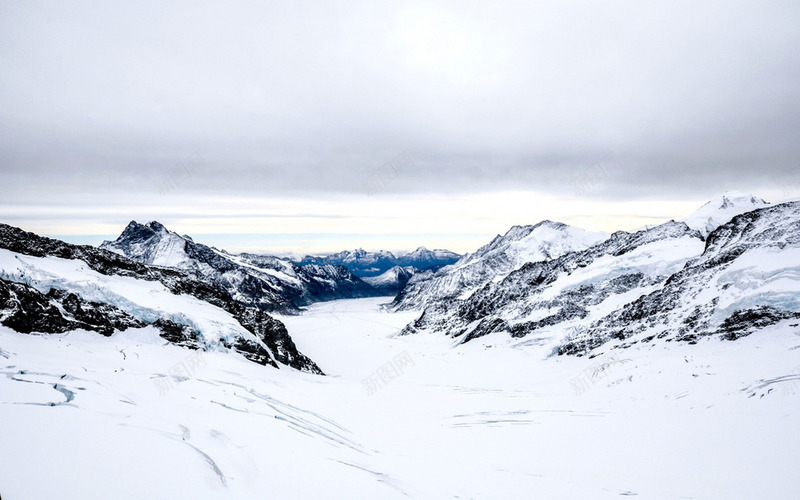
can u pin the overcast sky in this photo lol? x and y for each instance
(319, 126)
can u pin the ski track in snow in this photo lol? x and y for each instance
(494, 418)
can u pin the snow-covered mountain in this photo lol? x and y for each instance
(369, 264)
(50, 286)
(424, 259)
(668, 282)
(268, 283)
(556, 293)
(719, 211)
(392, 281)
(495, 260)
(746, 278)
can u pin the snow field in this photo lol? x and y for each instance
(494, 418)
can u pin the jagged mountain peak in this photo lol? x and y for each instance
(360, 254)
(774, 225)
(733, 197)
(418, 251)
(673, 281)
(422, 258)
(151, 244)
(153, 225)
(393, 280)
(522, 230)
(722, 209)
(533, 242)
(136, 231)
(157, 226)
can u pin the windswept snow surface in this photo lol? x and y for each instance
(128, 416)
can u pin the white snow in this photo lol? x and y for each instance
(760, 276)
(545, 241)
(659, 258)
(489, 419)
(170, 251)
(388, 278)
(145, 300)
(497, 259)
(720, 211)
(287, 275)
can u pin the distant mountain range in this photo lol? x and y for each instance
(369, 264)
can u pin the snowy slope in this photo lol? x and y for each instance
(146, 301)
(664, 282)
(492, 262)
(747, 278)
(50, 286)
(549, 296)
(125, 417)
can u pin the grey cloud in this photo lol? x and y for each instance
(674, 97)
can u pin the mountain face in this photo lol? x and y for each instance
(567, 289)
(371, 264)
(666, 282)
(392, 281)
(50, 286)
(747, 278)
(504, 254)
(269, 283)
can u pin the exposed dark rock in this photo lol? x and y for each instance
(182, 335)
(743, 323)
(25, 309)
(682, 304)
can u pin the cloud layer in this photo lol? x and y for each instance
(670, 100)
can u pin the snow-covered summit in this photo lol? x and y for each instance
(393, 280)
(720, 210)
(151, 244)
(529, 243)
(422, 258)
(495, 260)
